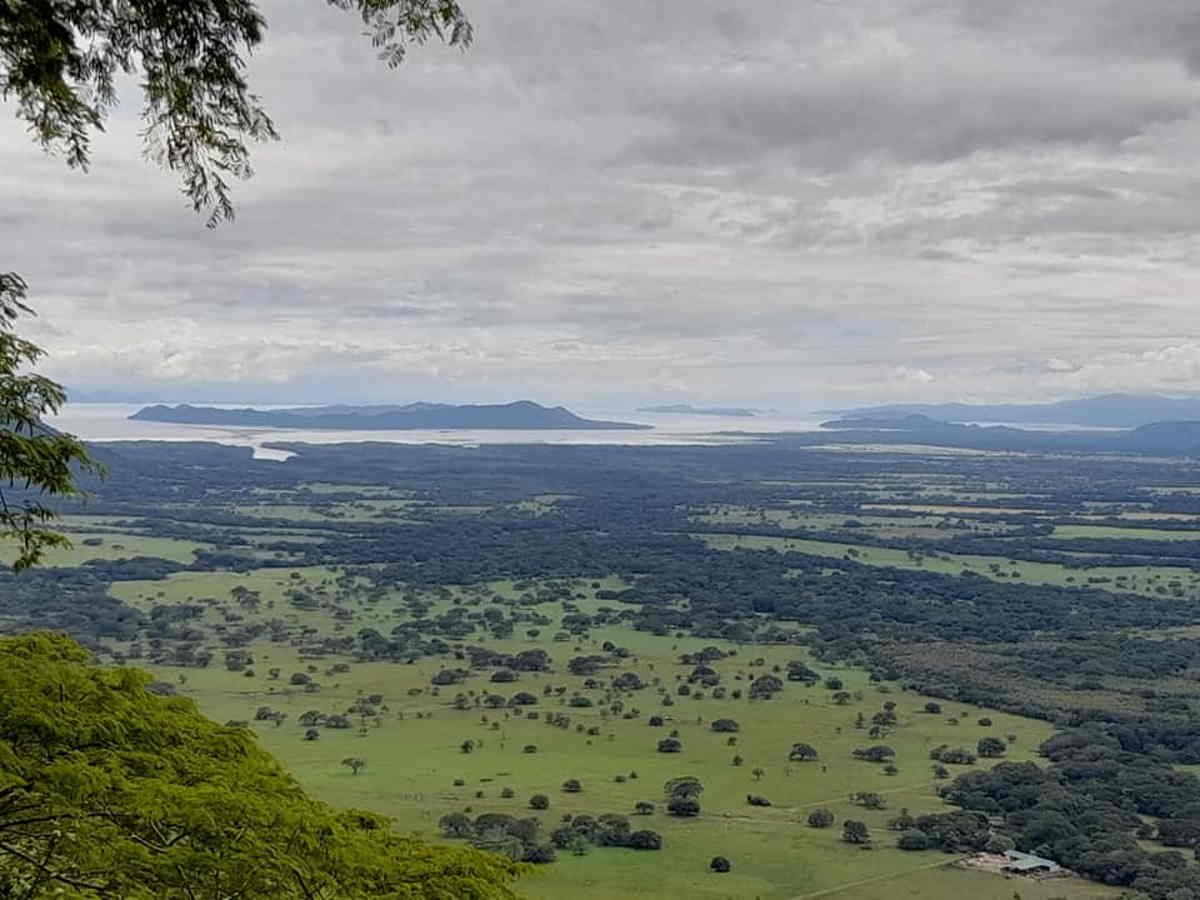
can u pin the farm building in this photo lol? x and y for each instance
(1027, 864)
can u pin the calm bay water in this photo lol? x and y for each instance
(107, 422)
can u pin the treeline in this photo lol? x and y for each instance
(1089, 809)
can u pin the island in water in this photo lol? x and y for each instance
(685, 409)
(523, 415)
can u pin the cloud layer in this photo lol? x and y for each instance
(798, 204)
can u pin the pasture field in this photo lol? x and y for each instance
(1134, 579)
(947, 882)
(414, 753)
(114, 545)
(1113, 531)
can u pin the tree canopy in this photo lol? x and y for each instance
(60, 61)
(107, 790)
(31, 455)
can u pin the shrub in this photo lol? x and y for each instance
(820, 818)
(757, 800)
(683, 807)
(992, 747)
(854, 832)
(539, 801)
(644, 840)
(914, 839)
(541, 854)
(720, 864)
(998, 843)
(457, 825)
(670, 745)
(572, 786)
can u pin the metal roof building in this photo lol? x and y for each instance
(1027, 863)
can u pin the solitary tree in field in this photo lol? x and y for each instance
(820, 818)
(354, 763)
(854, 832)
(684, 786)
(685, 807)
(802, 752)
(60, 64)
(991, 747)
(868, 799)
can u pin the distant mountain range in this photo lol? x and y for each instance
(523, 415)
(1162, 438)
(1105, 411)
(685, 409)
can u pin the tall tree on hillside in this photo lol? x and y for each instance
(59, 63)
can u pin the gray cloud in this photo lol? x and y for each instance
(798, 203)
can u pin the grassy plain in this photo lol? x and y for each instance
(113, 546)
(1114, 531)
(414, 754)
(414, 748)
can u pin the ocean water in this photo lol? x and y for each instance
(108, 422)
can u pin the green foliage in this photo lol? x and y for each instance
(61, 62)
(687, 787)
(802, 752)
(854, 832)
(820, 818)
(992, 747)
(32, 457)
(108, 790)
(914, 839)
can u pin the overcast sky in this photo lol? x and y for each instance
(794, 203)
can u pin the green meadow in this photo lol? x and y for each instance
(414, 749)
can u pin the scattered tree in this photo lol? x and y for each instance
(820, 818)
(854, 832)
